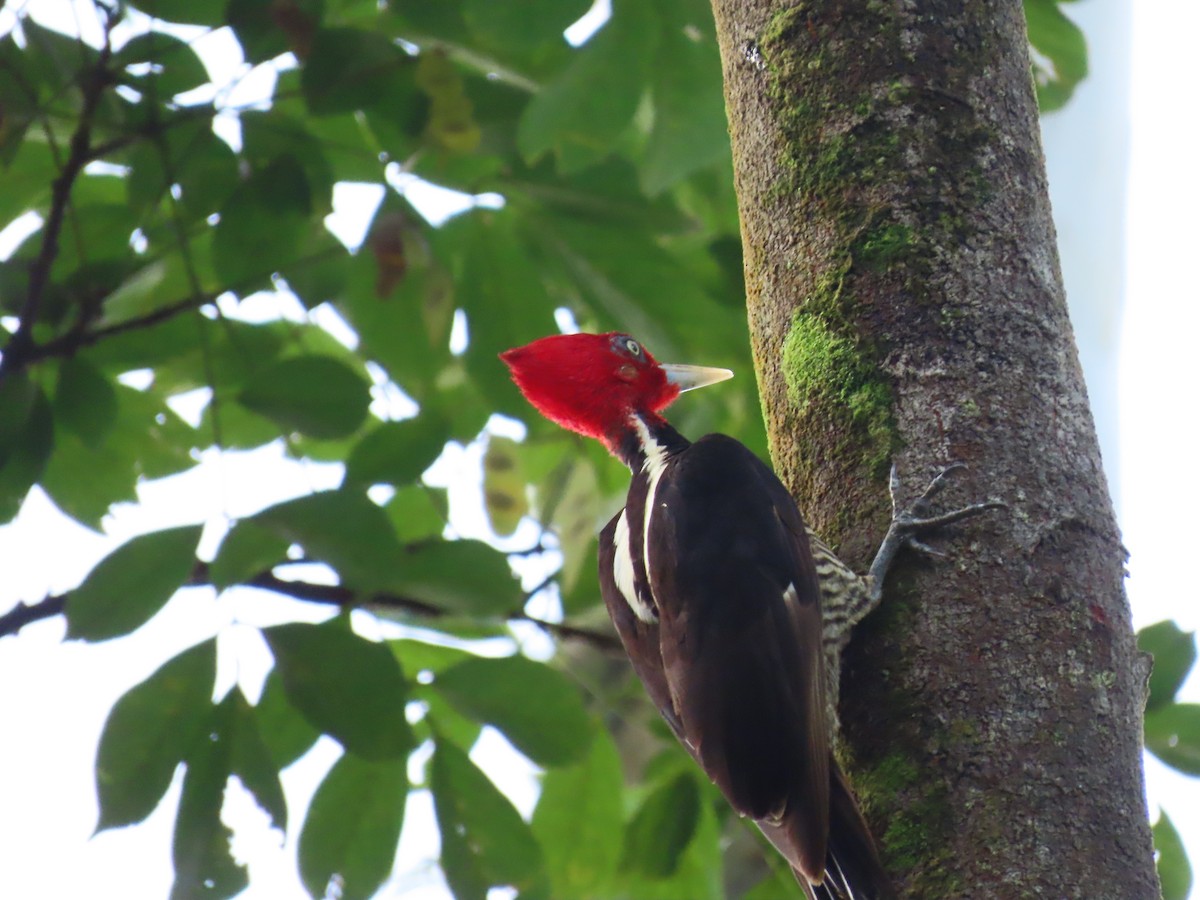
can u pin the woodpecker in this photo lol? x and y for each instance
(717, 590)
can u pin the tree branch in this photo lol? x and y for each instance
(67, 344)
(24, 614)
(338, 595)
(79, 155)
(27, 613)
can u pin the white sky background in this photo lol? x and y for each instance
(55, 695)
(1159, 427)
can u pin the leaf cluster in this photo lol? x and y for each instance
(1172, 733)
(157, 235)
(594, 183)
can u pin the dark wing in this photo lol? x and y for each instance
(740, 640)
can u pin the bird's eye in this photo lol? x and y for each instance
(633, 347)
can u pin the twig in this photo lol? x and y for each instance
(342, 596)
(79, 155)
(72, 341)
(24, 614)
(27, 613)
(541, 586)
(597, 639)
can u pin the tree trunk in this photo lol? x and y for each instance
(906, 304)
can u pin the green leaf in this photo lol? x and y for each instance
(26, 440)
(1174, 869)
(353, 827)
(203, 165)
(98, 256)
(17, 396)
(131, 584)
(570, 116)
(485, 842)
(690, 130)
(343, 529)
(55, 60)
(148, 347)
(397, 452)
(415, 513)
(316, 396)
(271, 135)
(174, 67)
(779, 884)
(575, 520)
(185, 11)
(262, 224)
(239, 428)
(1060, 42)
(501, 289)
(85, 400)
(504, 485)
(266, 28)
(423, 660)
(641, 288)
(321, 271)
(579, 821)
(1174, 653)
(524, 24)
(147, 290)
(247, 549)
(699, 874)
(608, 191)
(345, 686)
(20, 94)
(441, 720)
(459, 576)
(423, 656)
(536, 707)
(662, 828)
(286, 734)
(147, 440)
(186, 153)
(350, 69)
(200, 849)
(1173, 735)
(149, 732)
(252, 760)
(393, 330)
(584, 595)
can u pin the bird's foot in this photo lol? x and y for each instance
(910, 523)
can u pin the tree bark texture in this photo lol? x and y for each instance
(906, 304)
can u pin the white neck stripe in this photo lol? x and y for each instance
(654, 466)
(623, 571)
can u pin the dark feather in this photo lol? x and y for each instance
(734, 661)
(740, 632)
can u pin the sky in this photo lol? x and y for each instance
(56, 694)
(1159, 492)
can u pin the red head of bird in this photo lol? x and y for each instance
(594, 383)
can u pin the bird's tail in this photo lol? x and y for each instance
(852, 867)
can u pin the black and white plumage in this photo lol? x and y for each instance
(716, 588)
(708, 576)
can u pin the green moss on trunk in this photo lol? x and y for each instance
(852, 124)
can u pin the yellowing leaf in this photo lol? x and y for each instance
(504, 485)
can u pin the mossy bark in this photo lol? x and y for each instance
(905, 304)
